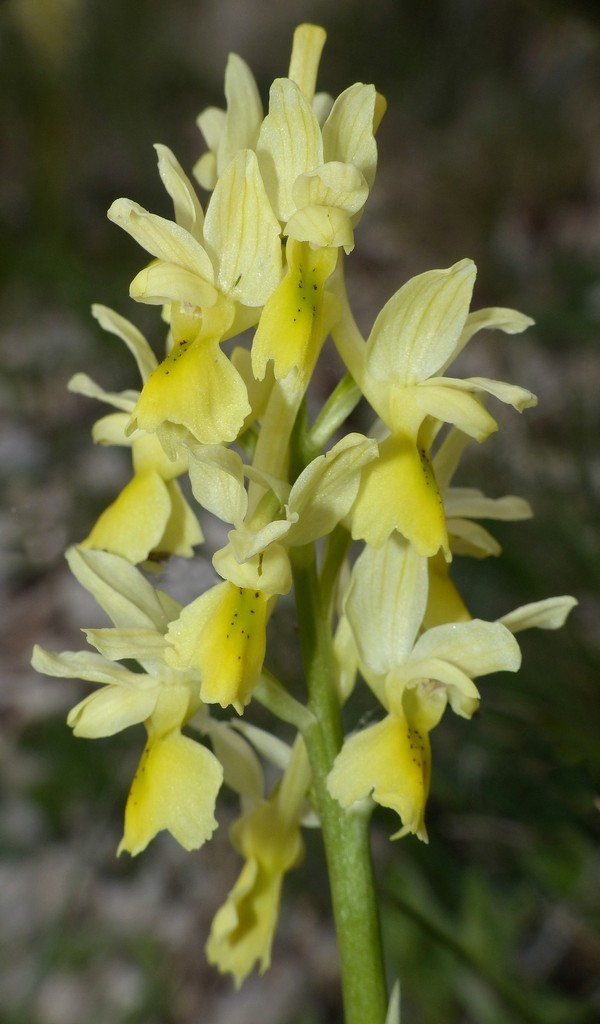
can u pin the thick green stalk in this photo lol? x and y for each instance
(345, 833)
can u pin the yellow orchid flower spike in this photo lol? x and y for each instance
(352, 532)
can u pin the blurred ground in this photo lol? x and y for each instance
(490, 149)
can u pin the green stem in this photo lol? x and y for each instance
(345, 833)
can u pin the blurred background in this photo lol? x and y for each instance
(490, 149)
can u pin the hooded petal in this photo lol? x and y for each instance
(476, 647)
(325, 490)
(288, 145)
(242, 233)
(385, 603)
(334, 184)
(348, 133)
(268, 571)
(106, 712)
(322, 226)
(419, 327)
(161, 282)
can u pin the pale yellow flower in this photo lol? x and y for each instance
(177, 780)
(150, 518)
(213, 274)
(416, 335)
(414, 678)
(222, 634)
(268, 837)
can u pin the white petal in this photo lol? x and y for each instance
(162, 238)
(82, 665)
(217, 479)
(118, 587)
(496, 318)
(471, 503)
(469, 538)
(211, 122)
(288, 145)
(476, 647)
(108, 711)
(348, 131)
(134, 339)
(548, 614)
(307, 47)
(386, 603)
(243, 234)
(324, 492)
(81, 384)
(186, 205)
(244, 112)
(242, 769)
(511, 394)
(419, 327)
(121, 644)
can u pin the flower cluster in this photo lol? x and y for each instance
(264, 261)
